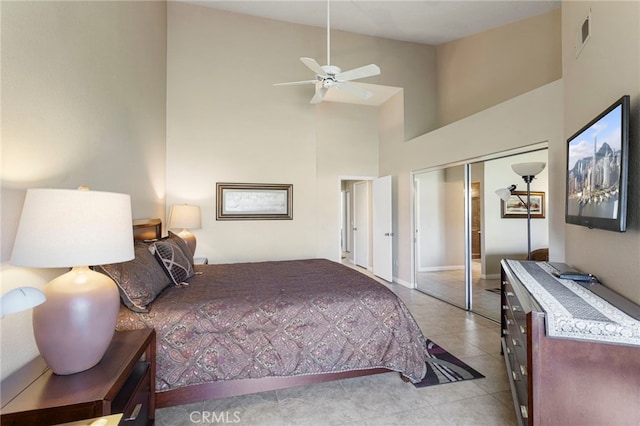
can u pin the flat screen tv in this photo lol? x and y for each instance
(597, 157)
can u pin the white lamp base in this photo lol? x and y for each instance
(74, 327)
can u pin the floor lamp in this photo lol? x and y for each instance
(528, 172)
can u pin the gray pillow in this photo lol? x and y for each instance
(176, 264)
(139, 280)
(182, 244)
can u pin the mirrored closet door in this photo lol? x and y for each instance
(460, 234)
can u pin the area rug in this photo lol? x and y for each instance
(442, 367)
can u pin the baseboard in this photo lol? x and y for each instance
(441, 268)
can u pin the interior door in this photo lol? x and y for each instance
(361, 224)
(383, 228)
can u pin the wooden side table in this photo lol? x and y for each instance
(122, 382)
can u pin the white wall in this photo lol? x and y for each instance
(525, 120)
(226, 122)
(507, 238)
(83, 103)
(607, 68)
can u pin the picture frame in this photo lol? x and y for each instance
(515, 207)
(254, 201)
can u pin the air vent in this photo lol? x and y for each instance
(583, 34)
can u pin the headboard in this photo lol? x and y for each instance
(147, 229)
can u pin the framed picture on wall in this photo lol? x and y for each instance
(516, 206)
(254, 201)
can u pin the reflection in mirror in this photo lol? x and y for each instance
(440, 255)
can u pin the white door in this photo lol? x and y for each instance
(361, 224)
(383, 228)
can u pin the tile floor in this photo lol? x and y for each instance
(383, 399)
(450, 286)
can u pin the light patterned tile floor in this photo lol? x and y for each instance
(383, 399)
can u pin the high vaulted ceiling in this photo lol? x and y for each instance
(422, 21)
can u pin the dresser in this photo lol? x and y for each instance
(572, 357)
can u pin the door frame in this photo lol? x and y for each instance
(350, 230)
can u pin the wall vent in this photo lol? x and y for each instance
(583, 34)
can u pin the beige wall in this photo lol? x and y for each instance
(83, 103)
(485, 69)
(607, 68)
(226, 122)
(529, 119)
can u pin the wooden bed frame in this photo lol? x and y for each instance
(225, 389)
(152, 229)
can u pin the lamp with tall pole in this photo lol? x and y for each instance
(528, 172)
(62, 228)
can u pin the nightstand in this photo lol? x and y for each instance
(122, 382)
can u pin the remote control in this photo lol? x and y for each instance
(576, 276)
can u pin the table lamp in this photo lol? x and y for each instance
(185, 217)
(74, 228)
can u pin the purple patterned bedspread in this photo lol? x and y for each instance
(285, 318)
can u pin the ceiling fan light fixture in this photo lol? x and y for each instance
(332, 76)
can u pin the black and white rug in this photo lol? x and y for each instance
(442, 367)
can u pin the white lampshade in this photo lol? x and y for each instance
(184, 217)
(505, 193)
(528, 169)
(20, 299)
(68, 227)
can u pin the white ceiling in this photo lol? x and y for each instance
(422, 21)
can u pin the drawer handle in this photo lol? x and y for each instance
(516, 308)
(523, 370)
(505, 307)
(515, 376)
(509, 321)
(515, 342)
(524, 411)
(508, 350)
(523, 330)
(505, 331)
(134, 413)
(510, 294)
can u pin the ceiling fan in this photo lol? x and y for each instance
(329, 76)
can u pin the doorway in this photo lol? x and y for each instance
(367, 221)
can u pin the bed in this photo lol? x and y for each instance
(232, 329)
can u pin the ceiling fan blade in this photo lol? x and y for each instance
(355, 90)
(319, 96)
(361, 72)
(314, 66)
(296, 83)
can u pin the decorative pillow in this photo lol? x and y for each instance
(175, 263)
(183, 246)
(139, 280)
